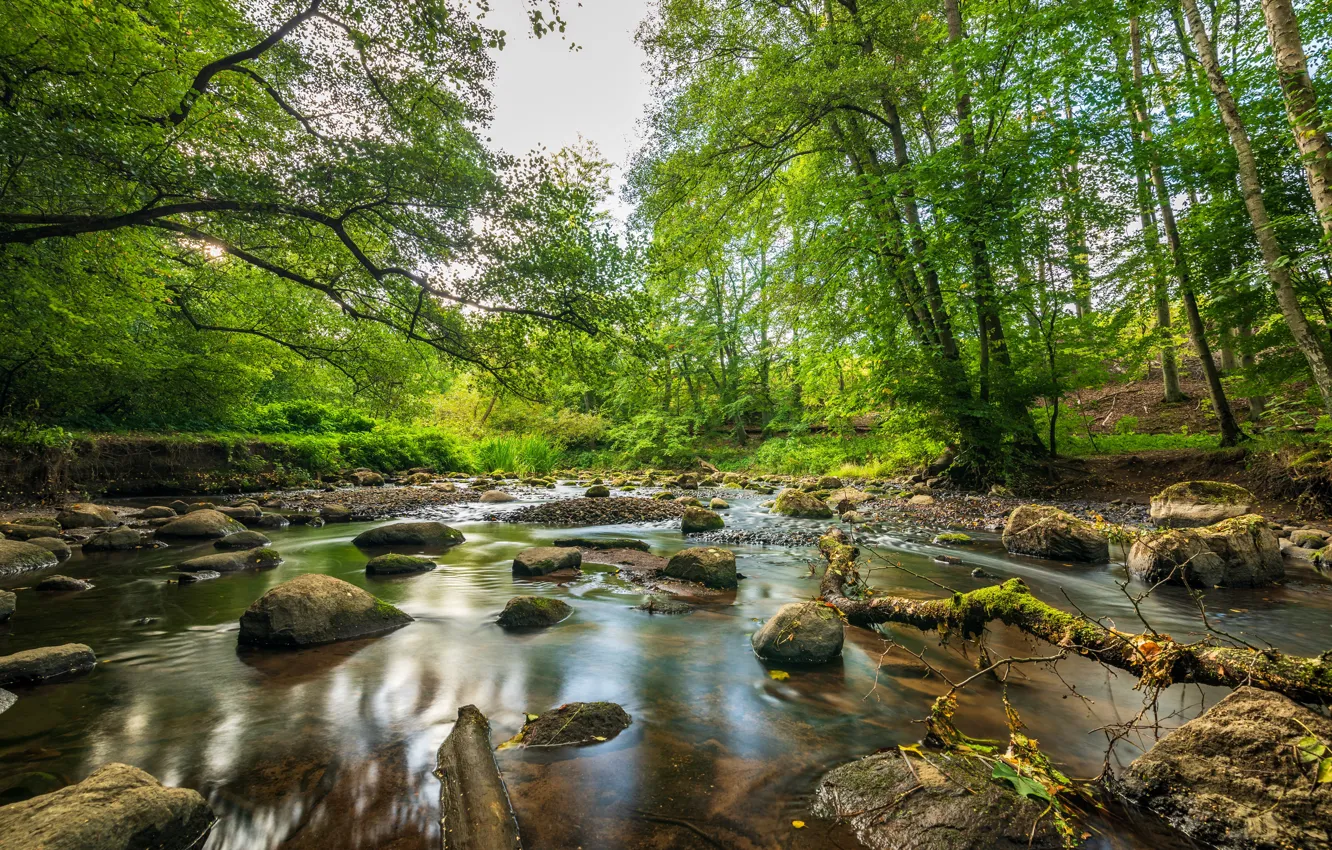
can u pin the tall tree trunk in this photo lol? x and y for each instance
(1283, 30)
(1075, 234)
(1230, 432)
(1252, 190)
(1141, 136)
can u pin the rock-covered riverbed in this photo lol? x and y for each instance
(333, 746)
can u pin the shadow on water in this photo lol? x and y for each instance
(334, 747)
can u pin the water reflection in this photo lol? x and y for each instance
(334, 746)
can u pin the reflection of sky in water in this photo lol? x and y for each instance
(334, 746)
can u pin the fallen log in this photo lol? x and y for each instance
(475, 813)
(1156, 659)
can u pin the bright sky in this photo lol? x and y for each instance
(547, 95)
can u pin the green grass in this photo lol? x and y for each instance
(1116, 444)
(528, 455)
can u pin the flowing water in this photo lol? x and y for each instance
(334, 747)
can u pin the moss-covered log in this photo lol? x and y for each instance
(1157, 660)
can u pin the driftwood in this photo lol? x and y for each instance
(1156, 659)
(475, 813)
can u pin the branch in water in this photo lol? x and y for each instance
(1157, 660)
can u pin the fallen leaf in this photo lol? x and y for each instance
(798, 824)
(779, 675)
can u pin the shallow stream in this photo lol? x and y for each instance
(334, 747)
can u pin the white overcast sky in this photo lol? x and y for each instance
(547, 95)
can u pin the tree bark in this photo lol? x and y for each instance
(1252, 190)
(475, 813)
(1157, 660)
(1283, 30)
(1230, 432)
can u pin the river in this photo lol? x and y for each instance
(334, 747)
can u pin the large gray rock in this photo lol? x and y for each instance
(847, 499)
(1191, 504)
(473, 802)
(393, 564)
(259, 558)
(410, 534)
(1045, 532)
(27, 530)
(1230, 778)
(543, 560)
(203, 524)
(157, 512)
(119, 540)
(492, 497)
(700, 519)
(19, 557)
(949, 802)
(118, 807)
(366, 478)
(45, 664)
(55, 545)
(242, 540)
(801, 633)
(704, 564)
(241, 512)
(87, 515)
(8, 602)
(314, 609)
(797, 503)
(1238, 552)
(533, 611)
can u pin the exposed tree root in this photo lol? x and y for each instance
(1156, 659)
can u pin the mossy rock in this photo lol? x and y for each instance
(316, 609)
(1047, 532)
(697, 519)
(953, 538)
(800, 633)
(410, 534)
(393, 564)
(706, 565)
(796, 503)
(602, 543)
(543, 560)
(597, 491)
(576, 723)
(533, 612)
(1192, 504)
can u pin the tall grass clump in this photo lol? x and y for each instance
(532, 454)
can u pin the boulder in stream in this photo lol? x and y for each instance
(1237, 552)
(242, 540)
(57, 547)
(315, 609)
(426, 533)
(19, 557)
(706, 565)
(576, 723)
(800, 633)
(797, 503)
(700, 519)
(393, 564)
(597, 491)
(120, 540)
(118, 807)
(492, 497)
(232, 562)
(157, 512)
(1191, 504)
(27, 530)
(543, 560)
(475, 813)
(87, 515)
(533, 611)
(940, 802)
(46, 664)
(203, 524)
(602, 543)
(1047, 532)
(1232, 778)
(62, 584)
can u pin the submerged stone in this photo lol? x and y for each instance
(410, 534)
(19, 557)
(8, 603)
(394, 564)
(233, 562)
(602, 543)
(576, 723)
(57, 547)
(533, 611)
(62, 584)
(242, 540)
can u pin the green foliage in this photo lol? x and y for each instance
(528, 455)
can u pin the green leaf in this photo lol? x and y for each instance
(1310, 750)
(1324, 772)
(1024, 786)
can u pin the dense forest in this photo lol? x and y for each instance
(925, 223)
